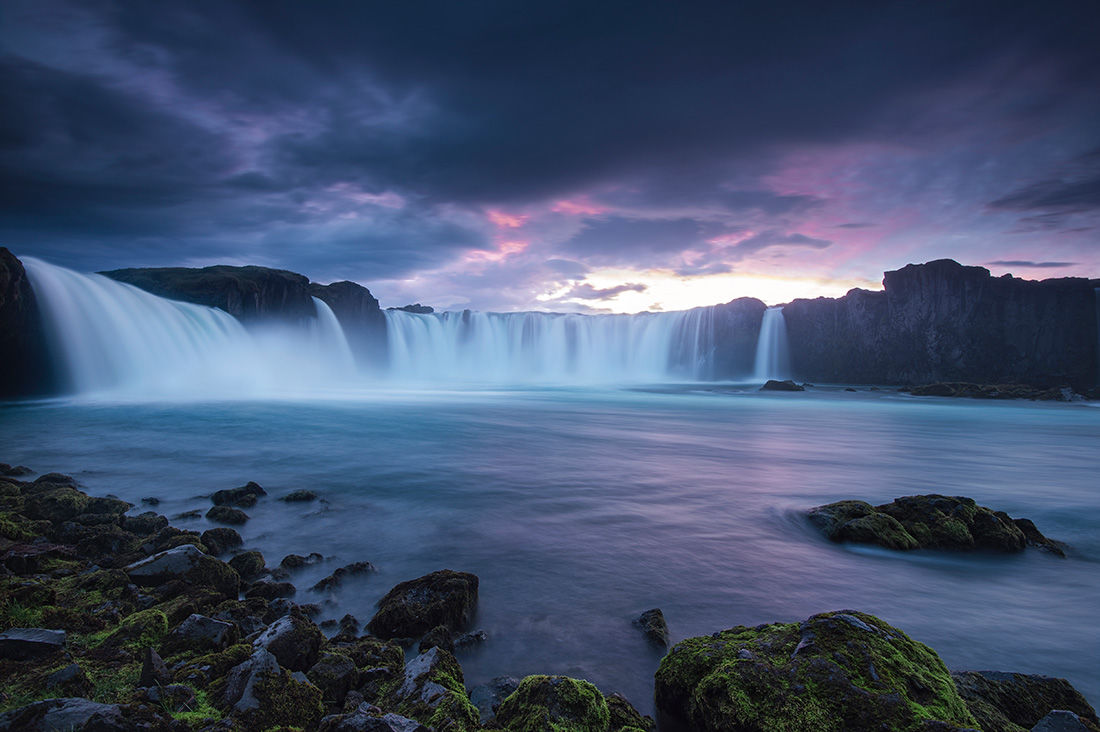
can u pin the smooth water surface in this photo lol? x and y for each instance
(579, 509)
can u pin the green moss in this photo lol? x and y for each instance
(211, 666)
(285, 701)
(14, 614)
(201, 715)
(554, 704)
(14, 527)
(140, 630)
(114, 684)
(843, 670)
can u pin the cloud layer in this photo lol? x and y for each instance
(494, 154)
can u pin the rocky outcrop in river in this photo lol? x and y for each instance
(24, 366)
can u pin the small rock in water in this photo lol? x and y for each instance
(473, 638)
(227, 515)
(187, 515)
(1061, 720)
(414, 607)
(786, 385)
(652, 622)
(245, 496)
(333, 580)
(297, 561)
(14, 471)
(221, 540)
(248, 564)
(299, 496)
(439, 637)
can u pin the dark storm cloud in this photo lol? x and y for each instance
(1033, 265)
(153, 133)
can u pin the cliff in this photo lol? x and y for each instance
(360, 316)
(247, 293)
(942, 321)
(736, 331)
(24, 365)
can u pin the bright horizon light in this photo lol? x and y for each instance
(665, 290)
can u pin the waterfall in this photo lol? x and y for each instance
(113, 338)
(110, 337)
(772, 350)
(549, 347)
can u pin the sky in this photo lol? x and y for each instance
(590, 157)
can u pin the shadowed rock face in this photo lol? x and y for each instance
(247, 293)
(24, 367)
(942, 321)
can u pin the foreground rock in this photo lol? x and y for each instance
(414, 607)
(835, 671)
(954, 523)
(1007, 702)
(554, 703)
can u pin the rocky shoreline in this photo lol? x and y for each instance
(115, 620)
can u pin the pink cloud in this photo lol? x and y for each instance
(506, 221)
(577, 207)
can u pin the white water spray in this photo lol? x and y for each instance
(773, 359)
(114, 338)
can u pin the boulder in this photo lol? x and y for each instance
(786, 385)
(1007, 702)
(366, 719)
(71, 714)
(350, 570)
(414, 607)
(200, 633)
(335, 675)
(221, 540)
(23, 644)
(189, 565)
(554, 703)
(488, 697)
(299, 496)
(245, 496)
(294, 641)
(248, 564)
(652, 624)
(260, 694)
(432, 691)
(149, 522)
(297, 561)
(625, 717)
(933, 521)
(69, 681)
(1062, 720)
(439, 636)
(269, 590)
(227, 515)
(153, 670)
(838, 670)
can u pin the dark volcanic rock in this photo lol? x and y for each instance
(189, 565)
(940, 322)
(1006, 702)
(439, 636)
(624, 715)
(14, 471)
(350, 570)
(269, 590)
(653, 625)
(227, 515)
(788, 385)
(1062, 720)
(70, 714)
(414, 607)
(993, 391)
(26, 643)
(221, 540)
(153, 670)
(25, 368)
(294, 640)
(245, 496)
(297, 561)
(360, 316)
(260, 695)
(248, 293)
(249, 565)
(433, 691)
(954, 523)
(835, 671)
(200, 633)
(299, 496)
(554, 702)
(416, 308)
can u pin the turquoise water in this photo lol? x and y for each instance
(581, 508)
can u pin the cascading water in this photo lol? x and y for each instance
(773, 359)
(112, 337)
(549, 347)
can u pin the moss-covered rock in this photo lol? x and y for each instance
(221, 539)
(139, 630)
(954, 523)
(227, 515)
(259, 695)
(244, 496)
(249, 565)
(433, 692)
(624, 717)
(335, 675)
(414, 607)
(554, 704)
(835, 671)
(189, 565)
(1007, 702)
(294, 640)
